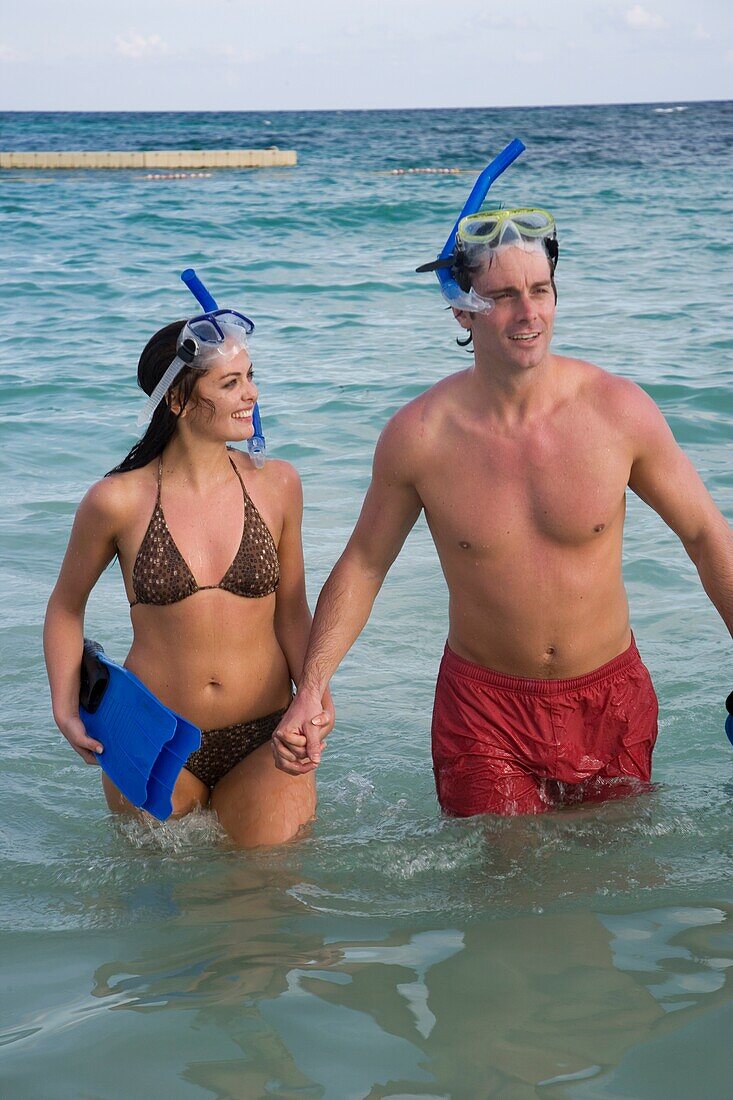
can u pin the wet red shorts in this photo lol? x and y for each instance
(506, 745)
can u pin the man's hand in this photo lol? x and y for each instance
(297, 743)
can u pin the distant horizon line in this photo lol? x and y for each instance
(342, 110)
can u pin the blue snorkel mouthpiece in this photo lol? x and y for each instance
(450, 289)
(256, 444)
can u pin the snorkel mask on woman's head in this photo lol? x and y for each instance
(479, 234)
(199, 341)
(204, 342)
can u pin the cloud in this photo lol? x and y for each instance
(530, 57)
(7, 53)
(138, 46)
(235, 55)
(642, 20)
(700, 33)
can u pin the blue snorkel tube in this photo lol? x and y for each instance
(256, 444)
(472, 205)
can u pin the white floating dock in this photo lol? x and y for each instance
(170, 158)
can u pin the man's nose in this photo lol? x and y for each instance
(526, 305)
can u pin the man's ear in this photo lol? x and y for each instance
(464, 318)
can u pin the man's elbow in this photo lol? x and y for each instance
(712, 540)
(357, 567)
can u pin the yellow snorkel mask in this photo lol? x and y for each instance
(476, 231)
(488, 232)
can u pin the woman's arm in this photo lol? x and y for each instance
(292, 614)
(92, 546)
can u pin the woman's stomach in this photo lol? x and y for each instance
(213, 658)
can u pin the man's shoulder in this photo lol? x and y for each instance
(409, 437)
(426, 413)
(611, 394)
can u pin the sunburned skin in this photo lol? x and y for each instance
(527, 517)
(532, 557)
(529, 533)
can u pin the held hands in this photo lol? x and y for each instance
(73, 730)
(298, 741)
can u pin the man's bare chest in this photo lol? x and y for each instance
(498, 495)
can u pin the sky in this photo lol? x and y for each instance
(350, 54)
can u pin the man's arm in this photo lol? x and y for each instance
(666, 480)
(292, 614)
(390, 510)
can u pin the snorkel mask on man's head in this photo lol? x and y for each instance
(478, 235)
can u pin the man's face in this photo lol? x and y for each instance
(518, 330)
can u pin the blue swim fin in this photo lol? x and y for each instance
(729, 717)
(145, 743)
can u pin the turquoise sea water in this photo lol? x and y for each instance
(585, 955)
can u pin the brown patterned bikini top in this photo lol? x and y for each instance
(161, 576)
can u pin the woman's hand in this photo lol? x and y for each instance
(297, 743)
(73, 730)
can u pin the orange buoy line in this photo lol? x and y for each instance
(178, 176)
(425, 171)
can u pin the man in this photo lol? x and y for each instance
(541, 696)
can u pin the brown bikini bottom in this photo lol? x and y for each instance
(222, 749)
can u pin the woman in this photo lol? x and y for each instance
(210, 552)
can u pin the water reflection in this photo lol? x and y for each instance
(249, 983)
(504, 1008)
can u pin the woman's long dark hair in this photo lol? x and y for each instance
(157, 356)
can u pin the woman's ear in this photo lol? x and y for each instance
(173, 401)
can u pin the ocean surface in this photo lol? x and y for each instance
(390, 952)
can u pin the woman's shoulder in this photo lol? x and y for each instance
(277, 474)
(284, 474)
(118, 497)
(276, 479)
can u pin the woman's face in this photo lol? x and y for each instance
(230, 389)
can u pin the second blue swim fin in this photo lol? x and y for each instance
(145, 743)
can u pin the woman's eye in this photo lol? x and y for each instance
(230, 384)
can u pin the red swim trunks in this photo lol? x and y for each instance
(506, 745)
